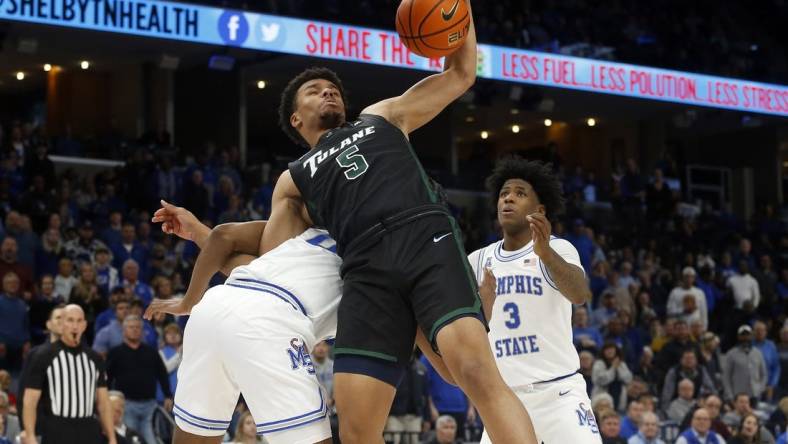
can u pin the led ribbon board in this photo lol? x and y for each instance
(215, 26)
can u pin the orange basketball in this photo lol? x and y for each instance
(433, 28)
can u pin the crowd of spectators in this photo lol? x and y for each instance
(727, 38)
(686, 331)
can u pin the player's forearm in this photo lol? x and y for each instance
(218, 249)
(463, 61)
(569, 278)
(200, 235)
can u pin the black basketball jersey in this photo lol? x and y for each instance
(359, 175)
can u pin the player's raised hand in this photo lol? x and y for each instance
(176, 220)
(173, 306)
(540, 233)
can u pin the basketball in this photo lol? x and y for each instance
(433, 28)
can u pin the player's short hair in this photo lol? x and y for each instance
(287, 103)
(546, 184)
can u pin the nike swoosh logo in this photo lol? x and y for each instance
(563, 393)
(437, 239)
(452, 11)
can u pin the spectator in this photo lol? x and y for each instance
(149, 333)
(782, 350)
(713, 405)
(123, 433)
(445, 431)
(583, 243)
(106, 316)
(700, 430)
(770, 357)
(106, 274)
(741, 408)
(751, 432)
(767, 284)
(48, 253)
(648, 432)
(779, 419)
(246, 430)
(18, 227)
(41, 307)
(745, 289)
(783, 438)
(687, 288)
(446, 399)
(111, 336)
(9, 428)
(129, 248)
(585, 337)
(663, 335)
(610, 427)
(410, 402)
(134, 368)
(83, 248)
(631, 423)
(673, 350)
(111, 235)
(55, 363)
(610, 374)
(14, 324)
(86, 294)
(678, 408)
(196, 196)
(711, 358)
(689, 369)
(131, 273)
(10, 263)
(606, 311)
(744, 370)
(65, 280)
(171, 354)
(586, 369)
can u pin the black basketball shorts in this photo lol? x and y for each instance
(416, 275)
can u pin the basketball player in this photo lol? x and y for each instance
(253, 334)
(539, 277)
(248, 335)
(404, 266)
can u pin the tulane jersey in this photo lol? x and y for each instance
(359, 175)
(531, 323)
(303, 271)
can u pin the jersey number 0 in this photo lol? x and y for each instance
(355, 163)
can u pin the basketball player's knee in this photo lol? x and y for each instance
(350, 432)
(474, 373)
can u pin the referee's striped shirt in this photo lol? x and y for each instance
(68, 378)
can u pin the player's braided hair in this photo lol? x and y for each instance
(539, 175)
(287, 103)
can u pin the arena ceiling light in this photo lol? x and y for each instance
(47, 67)
(516, 129)
(548, 122)
(469, 119)
(591, 121)
(485, 135)
(20, 75)
(84, 64)
(261, 84)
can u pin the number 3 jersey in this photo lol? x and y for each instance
(531, 323)
(359, 175)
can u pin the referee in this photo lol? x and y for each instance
(69, 379)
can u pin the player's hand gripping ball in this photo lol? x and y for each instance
(433, 28)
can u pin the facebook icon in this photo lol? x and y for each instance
(233, 28)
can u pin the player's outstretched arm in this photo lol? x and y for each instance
(426, 99)
(289, 217)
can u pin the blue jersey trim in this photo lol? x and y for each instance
(301, 420)
(319, 239)
(197, 417)
(263, 290)
(178, 416)
(499, 255)
(271, 286)
(547, 276)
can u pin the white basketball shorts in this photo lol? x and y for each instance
(250, 341)
(560, 411)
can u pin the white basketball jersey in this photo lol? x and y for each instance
(531, 323)
(303, 271)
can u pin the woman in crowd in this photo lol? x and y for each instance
(610, 374)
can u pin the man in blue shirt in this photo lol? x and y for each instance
(583, 336)
(631, 422)
(770, 357)
(14, 324)
(131, 272)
